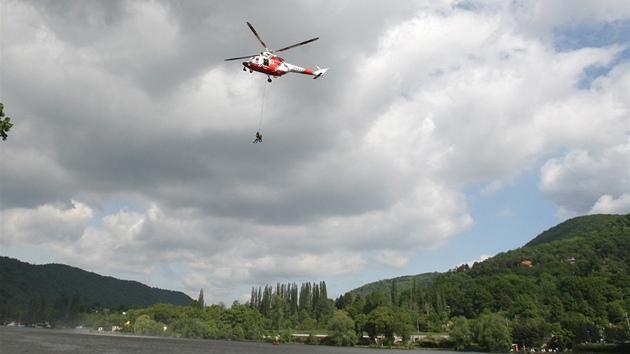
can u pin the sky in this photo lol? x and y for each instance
(445, 132)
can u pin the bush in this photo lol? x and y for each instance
(312, 339)
(602, 348)
(144, 325)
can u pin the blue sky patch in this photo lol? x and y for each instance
(568, 38)
(114, 207)
(592, 72)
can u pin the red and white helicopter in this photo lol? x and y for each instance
(272, 65)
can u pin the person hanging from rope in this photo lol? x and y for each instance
(258, 138)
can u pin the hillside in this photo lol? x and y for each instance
(577, 227)
(402, 283)
(572, 279)
(22, 282)
(569, 286)
(573, 231)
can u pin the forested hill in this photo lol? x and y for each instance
(582, 226)
(572, 280)
(403, 283)
(21, 283)
(580, 234)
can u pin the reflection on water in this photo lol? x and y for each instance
(35, 340)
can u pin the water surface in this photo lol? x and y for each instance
(38, 340)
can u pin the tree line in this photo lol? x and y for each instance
(21, 283)
(555, 295)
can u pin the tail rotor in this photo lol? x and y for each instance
(319, 73)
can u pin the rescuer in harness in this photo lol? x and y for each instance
(258, 138)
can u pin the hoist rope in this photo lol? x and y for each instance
(262, 106)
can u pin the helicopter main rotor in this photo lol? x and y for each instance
(267, 49)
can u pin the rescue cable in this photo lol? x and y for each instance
(262, 107)
(258, 135)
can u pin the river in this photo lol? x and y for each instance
(38, 340)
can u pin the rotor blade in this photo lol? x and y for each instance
(247, 57)
(257, 36)
(296, 45)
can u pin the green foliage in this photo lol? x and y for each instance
(162, 312)
(200, 302)
(144, 325)
(187, 327)
(530, 330)
(436, 342)
(576, 227)
(571, 280)
(402, 322)
(490, 331)
(559, 291)
(244, 322)
(341, 328)
(402, 284)
(602, 348)
(374, 300)
(380, 322)
(5, 124)
(460, 333)
(308, 324)
(312, 339)
(20, 282)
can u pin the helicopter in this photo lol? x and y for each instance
(274, 66)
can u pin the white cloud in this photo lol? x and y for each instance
(578, 180)
(46, 225)
(133, 101)
(392, 258)
(608, 204)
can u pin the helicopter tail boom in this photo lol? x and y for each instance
(297, 69)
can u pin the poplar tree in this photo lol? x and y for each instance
(200, 301)
(394, 292)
